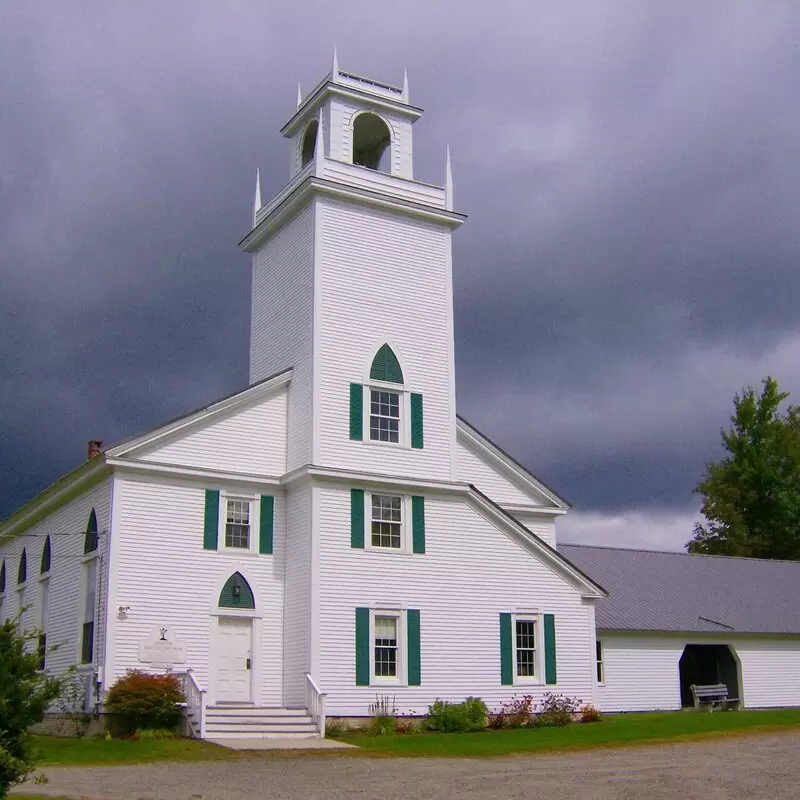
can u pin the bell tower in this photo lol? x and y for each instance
(352, 286)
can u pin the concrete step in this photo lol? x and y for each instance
(257, 725)
(255, 711)
(240, 734)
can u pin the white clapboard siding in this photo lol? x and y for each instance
(470, 573)
(297, 609)
(281, 323)
(770, 670)
(166, 579)
(66, 527)
(641, 673)
(363, 249)
(642, 670)
(543, 527)
(249, 440)
(492, 479)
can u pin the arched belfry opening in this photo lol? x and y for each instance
(385, 366)
(309, 142)
(371, 142)
(236, 593)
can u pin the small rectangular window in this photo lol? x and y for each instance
(599, 657)
(386, 521)
(526, 648)
(90, 602)
(384, 416)
(87, 643)
(237, 524)
(385, 647)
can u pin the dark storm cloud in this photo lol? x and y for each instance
(630, 171)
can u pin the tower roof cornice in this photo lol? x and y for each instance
(371, 93)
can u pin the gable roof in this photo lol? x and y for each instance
(202, 414)
(509, 463)
(660, 591)
(588, 585)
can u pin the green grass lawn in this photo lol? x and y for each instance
(59, 751)
(615, 730)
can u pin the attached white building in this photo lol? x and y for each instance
(335, 527)
(674, 619)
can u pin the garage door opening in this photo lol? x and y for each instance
(704, 664)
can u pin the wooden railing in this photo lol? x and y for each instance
(195, 702)
(315, 703)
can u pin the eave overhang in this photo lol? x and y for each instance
(311, 186)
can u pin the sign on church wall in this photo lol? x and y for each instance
(162, 648)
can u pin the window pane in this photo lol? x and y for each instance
(91, 591)
(44, 604)
(384, 420)
(87, 644)
(386, 521)
(385, 647)
(237, 524)
(526, 647)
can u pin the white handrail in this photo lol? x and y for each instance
(195, 700)
(315, 702)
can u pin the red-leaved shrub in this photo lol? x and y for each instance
(140, 700)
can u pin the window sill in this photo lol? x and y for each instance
(237, 551)
(386, 684)
(395, 551)
(387, 445)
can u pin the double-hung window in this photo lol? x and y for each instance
(89, 606)
(237, 523)
(601, 672)
(385, 646)
(525, 647)
(384, 416)
(386, 524)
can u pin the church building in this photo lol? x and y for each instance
(334, 532)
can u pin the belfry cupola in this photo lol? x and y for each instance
(358, 121)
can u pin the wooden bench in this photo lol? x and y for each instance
(711, 697)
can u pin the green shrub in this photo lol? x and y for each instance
(155, 733)
(516, 713)
(450, 717)
(590, 714)
(334, 729)
(142, 701)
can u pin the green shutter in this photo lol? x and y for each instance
(357, 518)
(362, 647)
(211, 524)
(550, 649)
(506, 651)
(414, 659)
(385, 366)
(266, 523)
(356, 411)
(418, 524)
(416, 421)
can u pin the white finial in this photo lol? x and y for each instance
(257, 199)
(335, 70)
(299, 95)
(448, 183)
(405, 85)
(319, 150)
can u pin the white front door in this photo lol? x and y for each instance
(234, 660)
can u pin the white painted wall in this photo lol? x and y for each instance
(281, 324)
(544, 527)
(248, 439)
(642, 670)
(66, 527)
(297, 608)
(372, 266)
(471, 571)
(166, 577)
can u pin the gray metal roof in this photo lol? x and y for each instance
(652, 591)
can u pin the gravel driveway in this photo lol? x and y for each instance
(738, 767)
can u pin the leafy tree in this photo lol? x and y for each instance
(751, 497)
(25, 694)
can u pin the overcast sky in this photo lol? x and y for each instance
(630, 171)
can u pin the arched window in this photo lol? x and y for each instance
(46, 556)
(309, 142)
(2, 578)
(90, 540)
(371, 140)
(385, 366)
(22, 574)
(236, 593)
